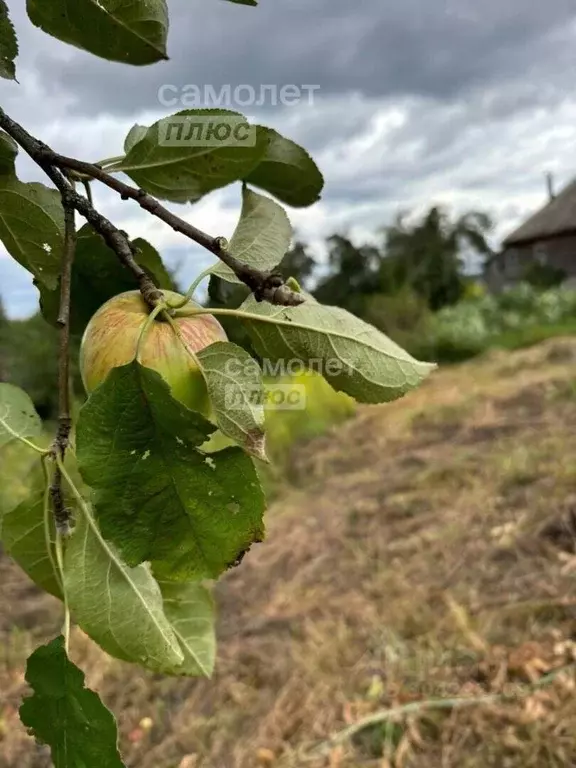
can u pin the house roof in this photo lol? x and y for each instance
(558, 217)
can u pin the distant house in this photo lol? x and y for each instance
(547, 238)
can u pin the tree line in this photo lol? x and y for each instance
(418, 268)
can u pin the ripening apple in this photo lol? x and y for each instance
(111, 338)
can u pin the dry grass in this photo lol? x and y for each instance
(427, 549)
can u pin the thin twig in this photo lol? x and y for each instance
(406, 709)
(88, 190)
(61, 512)
(428, 705)
(266, 286)
(116, 239)
(47, 521)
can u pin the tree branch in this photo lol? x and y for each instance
(61, 513)
(266, 286)
(114, 237)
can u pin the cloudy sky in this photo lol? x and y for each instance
(460, 102)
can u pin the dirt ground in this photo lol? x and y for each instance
(421, 554)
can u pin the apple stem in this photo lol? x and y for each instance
(190, 292)
(110, 161)
(147, 325)
(192, 311)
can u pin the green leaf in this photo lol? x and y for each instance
(8, 44)
(119, 607)
(97, 276)
(262, 236)
(32, 227)
(159, 498)
(190, 609)
(287, 171)
(62, 713)
(173, 160)
(352, 355)
(150, 260)
(23, 537)
(22, 524)
(18, 418)
(134, 135)
(244, 2)
(236, 390)
(8, 152)
(20, 470)
(132, 32)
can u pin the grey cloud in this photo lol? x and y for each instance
(482, 99)
(434, 48)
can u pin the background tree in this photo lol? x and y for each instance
(299, 264)
(353, 274)
(429, 254)
(3, 338)
(29, 359)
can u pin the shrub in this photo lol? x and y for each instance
(518, 316)
(543, 275)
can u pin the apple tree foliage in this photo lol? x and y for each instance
(157, 516)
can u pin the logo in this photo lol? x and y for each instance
(276, 396)
(206, 131)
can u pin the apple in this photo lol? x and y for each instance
(111, 338)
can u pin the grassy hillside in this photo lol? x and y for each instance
(425, 550)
